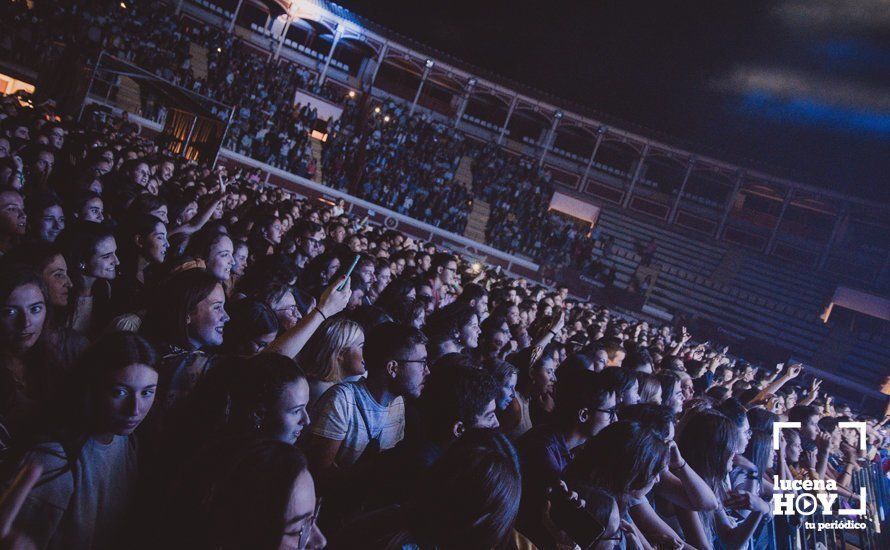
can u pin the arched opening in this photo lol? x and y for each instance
(399, 77)
(527, 126)
(574, 142)
(616, 157)
(487, 110)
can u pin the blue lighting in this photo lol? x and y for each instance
(808, 112)
(852, 54)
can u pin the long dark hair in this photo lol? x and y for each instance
(708, 440)
(250, 319)
(166, 318)
(42, 362)
(621, 458)
(231, 399)
(470, 497)
(760, 448)
(231, 495)
(70, 418)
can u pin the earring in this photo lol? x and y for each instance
(83, 266)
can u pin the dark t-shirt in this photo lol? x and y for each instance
(543, 456)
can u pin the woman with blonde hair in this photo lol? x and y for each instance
(333, 354)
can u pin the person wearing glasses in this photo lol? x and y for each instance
(310, 241)
(352, 419)
(585, 404)
(241, 492)
(442, 275)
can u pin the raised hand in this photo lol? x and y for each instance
(11, 504)
(793, 371)
(334, 300)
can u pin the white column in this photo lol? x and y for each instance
(548, 139)
(338, 33)
(772, 238)
(633, 182)
(727, 208)
(464, 100)
(284, 30)
(426, 72)
(835, 229)
(673, 215)
(235, 16)
(377, 65)
(507, 120)
(600, 134)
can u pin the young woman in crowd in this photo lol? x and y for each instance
(143, 250)
(83, 441)
(251, 328)
(332, 355)
(709, 441)
(91, 253)
(242, 492)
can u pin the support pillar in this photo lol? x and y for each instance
(281, 38)
(835, 229)
(464, 100)
(507, 120)
(672, 217)
(549, 138)
(380, 58)
(772, 237)
(235, 16)
(426, 73)
(338, 33)
(633, 182)
(727, 208)
(600, 134)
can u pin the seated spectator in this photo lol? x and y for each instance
(44, 211)
(352, 419)
(480, 471)
(251, 328)
(84, 444)
(585, 405)
(332, 355)
(242, 492)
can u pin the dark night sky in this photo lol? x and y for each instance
(785, 86)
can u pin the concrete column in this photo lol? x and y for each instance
(600, 134)
(235, 16)
(426, 73)
(507, 120)
(633, 182)
(551, 134)
(464, 100)
(835, 229)
(772, 238)
(338, 33)
(281, 38)
(377, 65)
(673, 215)
(727, 208)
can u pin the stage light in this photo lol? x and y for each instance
(123, 5)
(219, 50)
(351, 94)
(386, 118)
(376, 110)
(429, 63)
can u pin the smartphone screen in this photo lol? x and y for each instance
(349, 272)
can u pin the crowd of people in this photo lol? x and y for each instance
(193, 359)
(404, 162)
